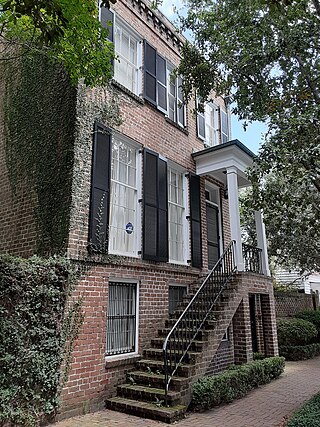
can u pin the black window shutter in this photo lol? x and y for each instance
(161, 83)
(100, 189)
(106, 17)
(150, 73)
(163, 245)
(155, 208)
(195, 219)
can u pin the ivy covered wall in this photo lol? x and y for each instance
(36, 146)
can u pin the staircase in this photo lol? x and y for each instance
(159, 388)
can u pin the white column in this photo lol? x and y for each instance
(262, 241)
(234, 213)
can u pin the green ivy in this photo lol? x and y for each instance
(40, 112)
(38, 325)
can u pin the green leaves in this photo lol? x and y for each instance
(67, 31)
(266, 55)
(33, 307)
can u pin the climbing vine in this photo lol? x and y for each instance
(39, 322)
(40, 107)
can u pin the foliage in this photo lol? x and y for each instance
(264, 55)
(295, 332)
(300, 352)
(312, 316)
(308, 415)
(40, 143)
(37, 329)
(235, 383)
(258, 356)
(67, 31)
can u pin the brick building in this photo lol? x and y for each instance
(152, 207)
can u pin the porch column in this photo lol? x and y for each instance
(234, 214)
(262, 242)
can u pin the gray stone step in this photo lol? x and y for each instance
(146, 409)
(156, 366)
(148, 394)
(156, 380)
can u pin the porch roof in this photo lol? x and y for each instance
(215, 161)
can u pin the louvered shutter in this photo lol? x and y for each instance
(195, 219)
(106, 18)
(100, 189)
(163, 245)
(155, 210)
(161, 83)
(201, 122)
(150, 73)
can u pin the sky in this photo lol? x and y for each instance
(252, 137)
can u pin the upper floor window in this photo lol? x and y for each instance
(212, 124)
(124, 212)
(160, 88)
(128, 45)
(128, 50)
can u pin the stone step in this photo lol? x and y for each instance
(197, 345)
(157, 353)
(209, 323)
(156, 380)
(198, 308)
(148, 394)
(156, 366)
(146, 409)
(202, 335)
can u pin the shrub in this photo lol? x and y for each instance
(35, 323)
(235, 382)
(300, 352)
(308, 415)
(295, 332)
(312, 316)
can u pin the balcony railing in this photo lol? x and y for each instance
(252, 258)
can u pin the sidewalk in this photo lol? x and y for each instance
(267, 406)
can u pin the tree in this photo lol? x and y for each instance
(265, 55)
(68, 31)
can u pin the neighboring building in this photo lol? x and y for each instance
(152, 206)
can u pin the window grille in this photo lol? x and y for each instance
(121, 318)
(176, 294)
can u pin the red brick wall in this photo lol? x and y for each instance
(288, 304)
(92, 379)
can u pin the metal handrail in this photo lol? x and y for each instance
(186, 328)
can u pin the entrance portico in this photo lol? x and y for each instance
(228, 163)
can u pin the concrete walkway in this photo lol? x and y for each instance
(267, 406)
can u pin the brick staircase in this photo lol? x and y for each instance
(144, 393)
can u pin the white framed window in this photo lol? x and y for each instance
(176, 109)
(160, 88)
(208, 124)
(224, 126)
(122, 318)
(127, 65)
(124, 222)
(177, 222)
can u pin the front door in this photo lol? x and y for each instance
(213, 234)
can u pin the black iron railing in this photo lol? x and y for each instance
(186, 328)
(252, 258)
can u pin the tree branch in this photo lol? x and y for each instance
(316, 5)
(308, 79)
